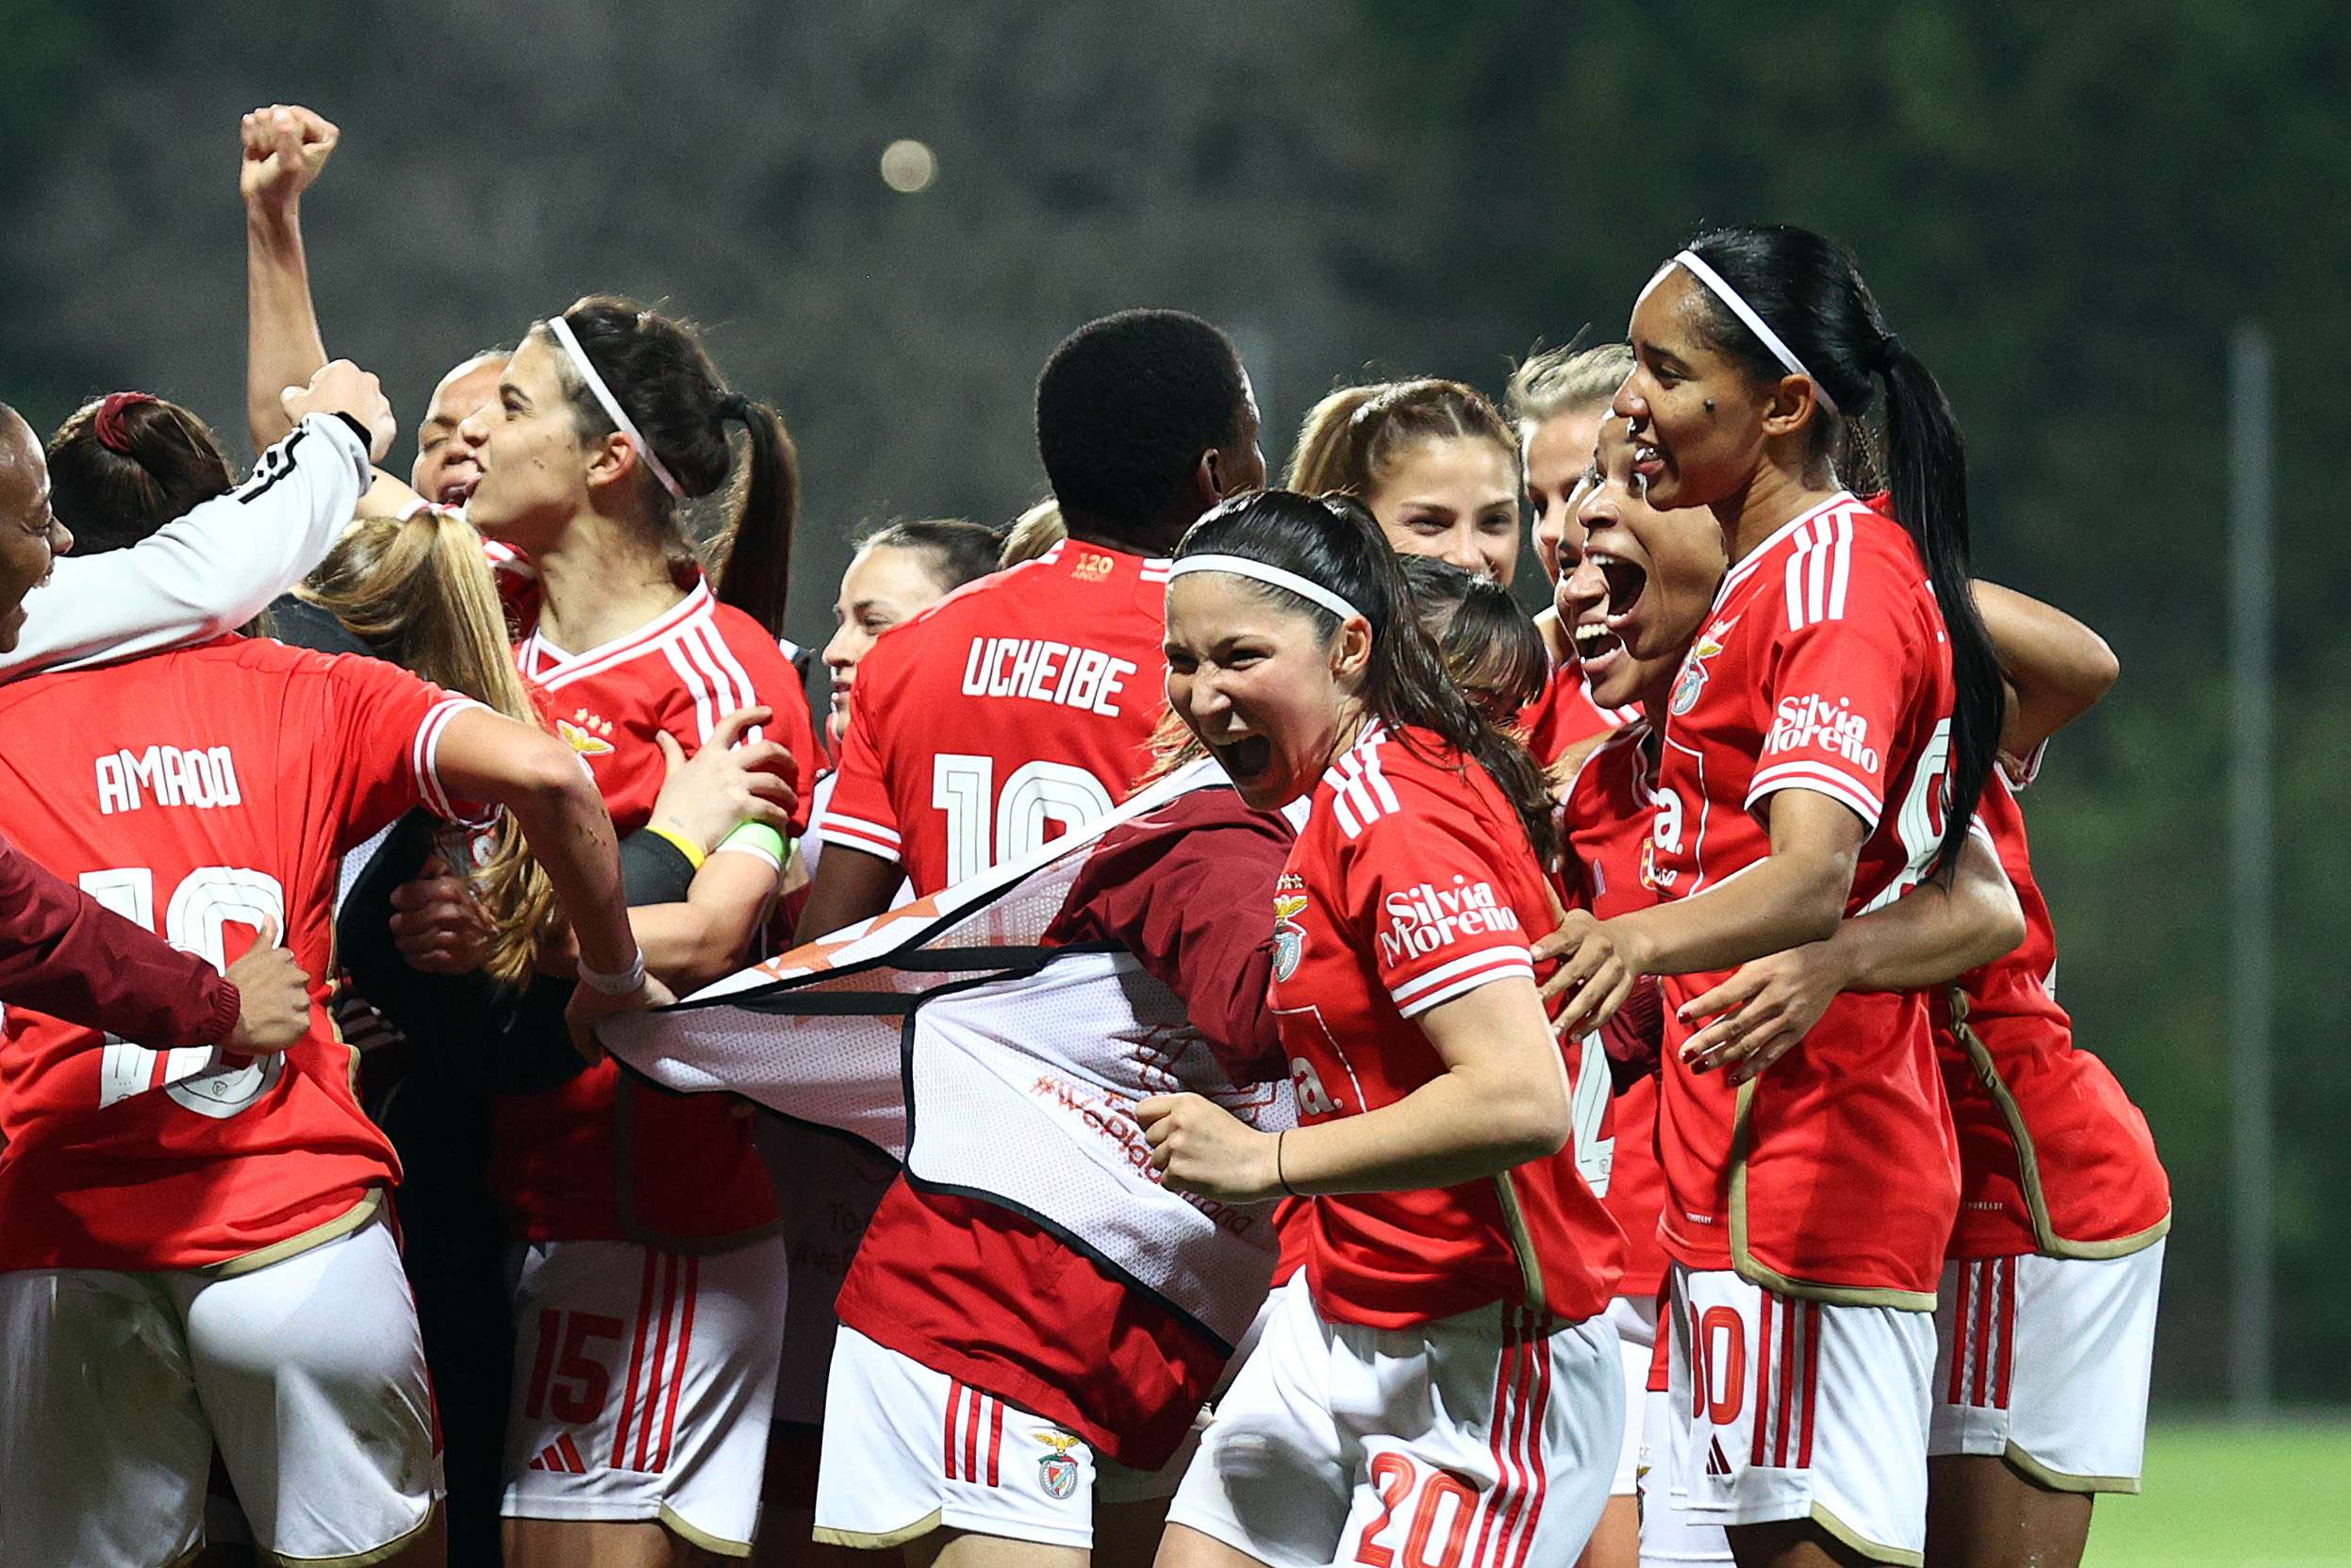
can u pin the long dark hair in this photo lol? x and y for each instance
(1486, 642)
(125, 464)
(660, 375)
(1335, 541)
(1807, 288)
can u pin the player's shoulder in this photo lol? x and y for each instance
(1604, 768)
(760, 653)
(1391, 778)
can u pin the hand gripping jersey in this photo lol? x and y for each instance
(202, 794)
(1563, 713)
(1823, 666)
(2053, 1157)
(1004, 1069)
(557, 1155)
(1411, 885)
(1015, 710)
(1607, 822)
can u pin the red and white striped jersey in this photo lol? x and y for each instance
(202, 794)
(1605, 814)
(556, 1155)
(1016, 709)
(1824, 667)
(2054, 1158)
(1564, 713)
(1411, 884)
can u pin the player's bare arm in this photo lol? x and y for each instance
(283, 147)
(2055, 668)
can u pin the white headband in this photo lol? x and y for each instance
(1241, 566)
(561, 331)
(1745, 312)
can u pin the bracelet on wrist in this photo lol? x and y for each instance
(618, 983)
(1280, 1179)
(683, 845)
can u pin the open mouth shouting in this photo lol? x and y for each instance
(1246, 759)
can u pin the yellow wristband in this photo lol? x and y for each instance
(686, 847)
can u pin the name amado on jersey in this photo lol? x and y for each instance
(1013, 710)
(1412, 884)
(1824, 666)
(203, 794)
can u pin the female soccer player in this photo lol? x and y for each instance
(207, 1227)
(1556, 400)
(1012, 713)
(1439, 1380)
(1925, 938)
(1830, 734)
(1432, 460)
(650, 1280)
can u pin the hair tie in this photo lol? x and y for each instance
(1881, 358)
(733, 407)
(107, 422)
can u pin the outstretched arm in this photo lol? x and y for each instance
(284, 147)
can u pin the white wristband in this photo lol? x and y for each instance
(618, 983)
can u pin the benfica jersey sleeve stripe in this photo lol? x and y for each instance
(1461, 976)
(424, 753)
(1819, 569)
(1819, 777)
(858, 834)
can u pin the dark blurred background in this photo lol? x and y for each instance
(2066, 212)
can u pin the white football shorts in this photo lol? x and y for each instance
(1470, 1441)
(307, 1376)
(909, 1450)
(643, 1380)
(2044, 1361)
(1789, 1409)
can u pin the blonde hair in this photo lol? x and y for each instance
(1564, 380)
(418, 591)
(1352, 439)
(1034, 532)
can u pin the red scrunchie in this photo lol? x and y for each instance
(109, 421)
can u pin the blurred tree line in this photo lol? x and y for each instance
(2064, 212)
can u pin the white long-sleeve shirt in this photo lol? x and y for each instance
(208, 572)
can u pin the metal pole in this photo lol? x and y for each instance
(2251, 613)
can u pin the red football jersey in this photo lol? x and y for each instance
(1013, 710)
(1563, 713)
(1412, 883)
(556, 1158)
(202, 794)
(2053, 1156)
(1606, 817)
(1824, 666)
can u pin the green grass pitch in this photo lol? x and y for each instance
(2221, 1495)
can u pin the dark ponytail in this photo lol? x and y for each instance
(127, 463)
(1810, 291)
(657, 367)
(1335, 541)
(754, 555)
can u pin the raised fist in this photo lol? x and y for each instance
(285, 146)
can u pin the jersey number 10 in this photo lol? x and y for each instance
(203, 1078)
(986, 828)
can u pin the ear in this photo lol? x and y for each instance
(609, 459)
(1790, 406)
(1207, 479)
(1351, 652)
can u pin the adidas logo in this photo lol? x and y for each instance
(561, 1457)
(1715, 1463)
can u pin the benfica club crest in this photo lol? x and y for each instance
(1057, 1472)
(1289, 938)
(1693, 679)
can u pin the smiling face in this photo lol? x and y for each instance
(525, 442)
(445, 470)
(883, 587)
(1252, 679)
(1689, 453)
(1558, 454)
(31, 538)
(1454, 498)
(1639, 580)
